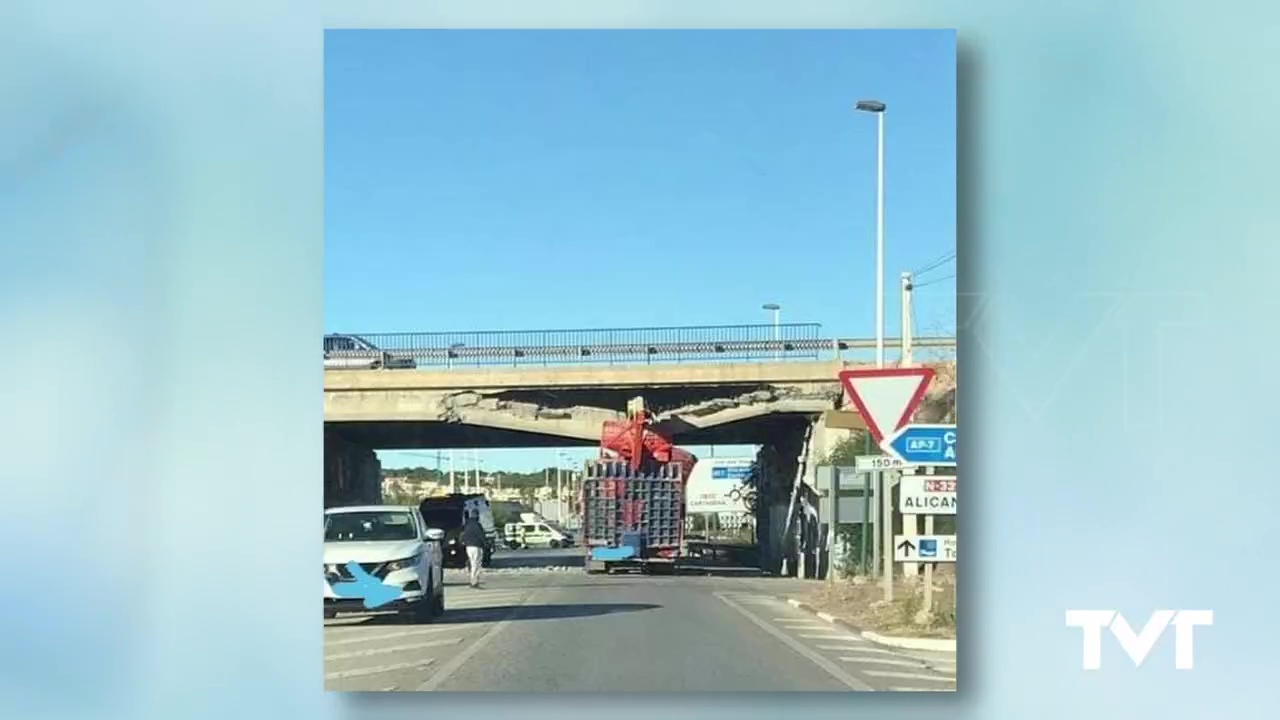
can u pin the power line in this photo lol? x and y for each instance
(931, 282)
(934, 264)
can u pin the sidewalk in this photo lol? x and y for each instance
(860, 608)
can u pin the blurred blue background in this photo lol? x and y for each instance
(160, 297)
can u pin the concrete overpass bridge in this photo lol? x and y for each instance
(708, 386)
(698, 404)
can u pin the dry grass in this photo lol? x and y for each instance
(860, 602)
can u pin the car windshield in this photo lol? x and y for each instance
(368, 526)
(444, 518)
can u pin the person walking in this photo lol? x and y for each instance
(473, 538)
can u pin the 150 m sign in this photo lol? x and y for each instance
(927, 495)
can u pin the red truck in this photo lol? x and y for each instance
(633, 497)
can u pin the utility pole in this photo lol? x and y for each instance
(475, 464)
(910, 523)
(452, 483)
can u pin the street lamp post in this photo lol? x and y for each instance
(878, 108)
(777, 328)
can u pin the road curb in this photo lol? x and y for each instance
(905, 643)
(910, 643)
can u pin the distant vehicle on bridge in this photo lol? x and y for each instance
(351, 352)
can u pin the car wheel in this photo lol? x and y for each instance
(555, 544)
(330, 614)
(437, 605)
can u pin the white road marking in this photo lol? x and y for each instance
(377, 670)
(907, 676)
(390, 649)
(461, 658)
(830, 636)
(881, 661)
(408, 632)
(482, 602)
(858, 648)
(920, 689)
(832, 669)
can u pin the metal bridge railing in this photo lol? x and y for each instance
(619, 346)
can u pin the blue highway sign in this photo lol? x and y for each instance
(730, 473)
(924, 445)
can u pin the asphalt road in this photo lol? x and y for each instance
(540, 624)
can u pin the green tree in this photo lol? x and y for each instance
(849, 448)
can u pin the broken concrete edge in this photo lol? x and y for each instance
(905, 643)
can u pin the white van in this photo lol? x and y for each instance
(536, 534)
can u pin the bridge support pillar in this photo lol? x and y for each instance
(778, 467)
(352, 473)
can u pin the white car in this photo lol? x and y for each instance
(348, 352)
(392, 544)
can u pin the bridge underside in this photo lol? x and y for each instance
(426, 435)
(429, 418)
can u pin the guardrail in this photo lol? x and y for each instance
(726, 343)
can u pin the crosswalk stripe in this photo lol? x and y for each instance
(408, 632)
(880, 661)
(858, 648)
(392, 649)
(907, 676)
(920, 689)
(830, 636)
(378, 670)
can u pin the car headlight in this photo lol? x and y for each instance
(405, 563)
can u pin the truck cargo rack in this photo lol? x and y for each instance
(632, 519)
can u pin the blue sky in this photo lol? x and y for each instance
(480, 180)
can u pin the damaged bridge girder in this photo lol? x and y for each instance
(574, 416)
(467, 407)
(723, 403)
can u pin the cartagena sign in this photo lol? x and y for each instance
(715, 485)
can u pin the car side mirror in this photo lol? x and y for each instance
(434, 534)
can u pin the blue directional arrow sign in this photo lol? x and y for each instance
(923, 445)
(366, 587)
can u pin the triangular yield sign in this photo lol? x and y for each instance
(886, 397)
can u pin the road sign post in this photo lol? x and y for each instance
(886, 398)
(928, 571)
(886, 518)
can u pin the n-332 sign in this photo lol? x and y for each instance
(927, 495)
